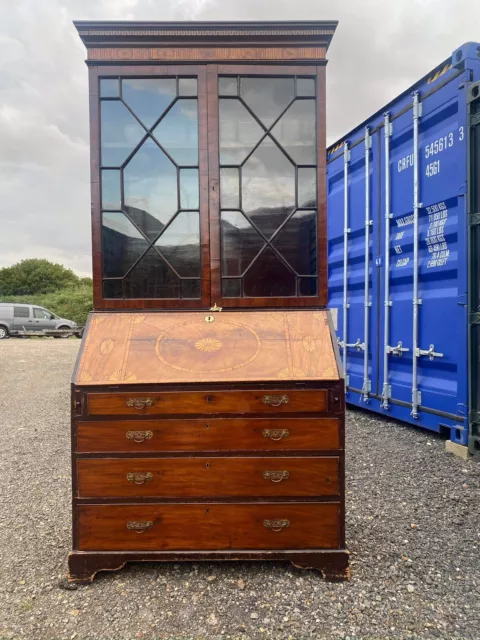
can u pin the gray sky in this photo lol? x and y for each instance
(380, 48)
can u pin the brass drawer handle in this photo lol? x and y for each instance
(276, 476)
(275, 434)
(139, 477)
(139, 527)
(139, 436)
(140, 403)
(276, 525)
(275, 401)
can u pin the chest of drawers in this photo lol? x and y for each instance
(202, 437)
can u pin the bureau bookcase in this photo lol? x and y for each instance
(207, 398)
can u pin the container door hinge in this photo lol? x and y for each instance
(431, 353)
(474, 318)
(474, 416)
(462, 299)
(474, 219)
(398, 350)
(474, 119)
(347, 382)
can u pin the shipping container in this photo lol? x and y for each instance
(404, 247)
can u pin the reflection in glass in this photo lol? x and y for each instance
(229, 188)
(122, 244)
(113, 288)
(148, 97)
(267, 97)
(189, 189)
(120, 132)
(180, 244)
(187, 86)
(150, 189)
(231, 288)
(306, 87)
(228, 86)
(191, 289)
(240, 243)
(151, 278)
(297, 242)
(268, 187)
(307, 286)
(111, 192)
(307, 187)
(109, 88)
(178, 132)
(295, 131)
(268, 277)
(239, 132)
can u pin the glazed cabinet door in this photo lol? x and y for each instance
(149, 187)
(267, 191)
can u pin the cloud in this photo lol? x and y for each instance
(380, 48)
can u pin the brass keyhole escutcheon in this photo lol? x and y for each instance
(209, 319)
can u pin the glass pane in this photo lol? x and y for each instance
(111, 192)
(297, 242)
(178, 132)
(189, 189)
(120, 132)
(306, 87)
(152, 278)
(268, 187)
(191, 289)
(307, 287)
(148, 97)
(231, 288)
(307, 187)
(296, 132)
(122, 244)
(150, 189)
(240, 243)
(268, 277)
(229, 189)
(109, 88)
(228, 86)
(239, 132)
(113, 288)
(187, 86)
(267, 97)
(180, 243)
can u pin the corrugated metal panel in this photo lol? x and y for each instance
(417, 308)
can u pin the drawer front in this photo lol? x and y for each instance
(207, 477)
(216, 434)
(208, 402)
(181, 527)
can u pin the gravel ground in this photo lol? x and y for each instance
(412, 525)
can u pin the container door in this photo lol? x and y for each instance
(427, 278)
(352, 199)
(474, 260)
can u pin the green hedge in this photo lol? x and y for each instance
(73, 303)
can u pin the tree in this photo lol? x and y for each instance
(34, 276)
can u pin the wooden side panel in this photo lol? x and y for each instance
(208, 477)
(211, 434)
(208, 526)
(149, 348)
(207, 402)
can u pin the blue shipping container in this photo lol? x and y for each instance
(404, 247)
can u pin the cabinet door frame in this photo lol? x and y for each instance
(213, 72)
(150, 70)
